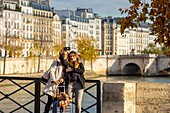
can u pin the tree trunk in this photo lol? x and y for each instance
(91, 65)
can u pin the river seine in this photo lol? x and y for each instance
(138, 79)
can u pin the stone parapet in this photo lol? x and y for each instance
(153, 98)
(118, 98)
(138, 97)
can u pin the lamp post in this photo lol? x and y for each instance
(107, 59)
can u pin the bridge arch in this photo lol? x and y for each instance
(131, 69)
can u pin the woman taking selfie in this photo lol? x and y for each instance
(74, 79)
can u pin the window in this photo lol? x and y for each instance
(97, 32)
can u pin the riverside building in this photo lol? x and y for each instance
(132, 41)
(80, 23)
(10, 28)
(37, 28)
(29, 21)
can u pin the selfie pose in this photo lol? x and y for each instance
(74, 78)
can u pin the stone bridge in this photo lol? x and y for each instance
(131, 64)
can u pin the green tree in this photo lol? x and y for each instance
(152, 49)
(12, 45)
(158, 12)
(56, 50)
(87, 49)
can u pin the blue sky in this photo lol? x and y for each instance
(103, 7)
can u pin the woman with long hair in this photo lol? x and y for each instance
(74, 78)
(55, 79)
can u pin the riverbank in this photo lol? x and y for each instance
(87, 74)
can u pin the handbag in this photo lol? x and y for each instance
(46, 76)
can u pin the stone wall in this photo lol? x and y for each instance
(136, 98)
(115, 64)
(24, 65)
(153, 98)
(30, 65)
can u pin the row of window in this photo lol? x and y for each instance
(142, 35)
(44, 14)
(97, 32)
(14, 16)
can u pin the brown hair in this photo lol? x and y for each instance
(77, 59)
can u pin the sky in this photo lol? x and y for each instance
(103, 8)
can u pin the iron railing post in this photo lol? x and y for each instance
(37, 96)
(98, 97)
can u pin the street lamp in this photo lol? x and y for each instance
(107, 59)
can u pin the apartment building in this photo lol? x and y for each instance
(10, 28)
(28, 27)
(56, 25)
(72, 28)
(132, 41)
(43, 19)
(109, 42)
(94, 26)
(79, 23)
(31, 22)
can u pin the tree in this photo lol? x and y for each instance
(39, 48)
(56, 50)
(87, 49)
(12, 45)
(152, 49)
(158, 12)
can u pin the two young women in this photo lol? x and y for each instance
(71, 74)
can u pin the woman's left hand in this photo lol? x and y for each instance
(57, 82)
(68, 69)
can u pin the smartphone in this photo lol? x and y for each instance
(66, 48)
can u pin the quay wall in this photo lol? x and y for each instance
(112, 64)
(138, 97)
(30, 65)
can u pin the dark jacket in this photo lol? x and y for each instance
(75, 71)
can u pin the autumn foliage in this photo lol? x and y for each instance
(157, 11)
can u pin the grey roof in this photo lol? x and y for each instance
(41, 6)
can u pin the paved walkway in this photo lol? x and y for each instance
(88, 74)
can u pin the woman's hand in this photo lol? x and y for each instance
(61, 80)
(57, 82)
(68, 69)
(61, 51)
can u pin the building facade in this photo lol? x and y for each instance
(37, 29)
(10, 29)
(79, 23)
(132, 41)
